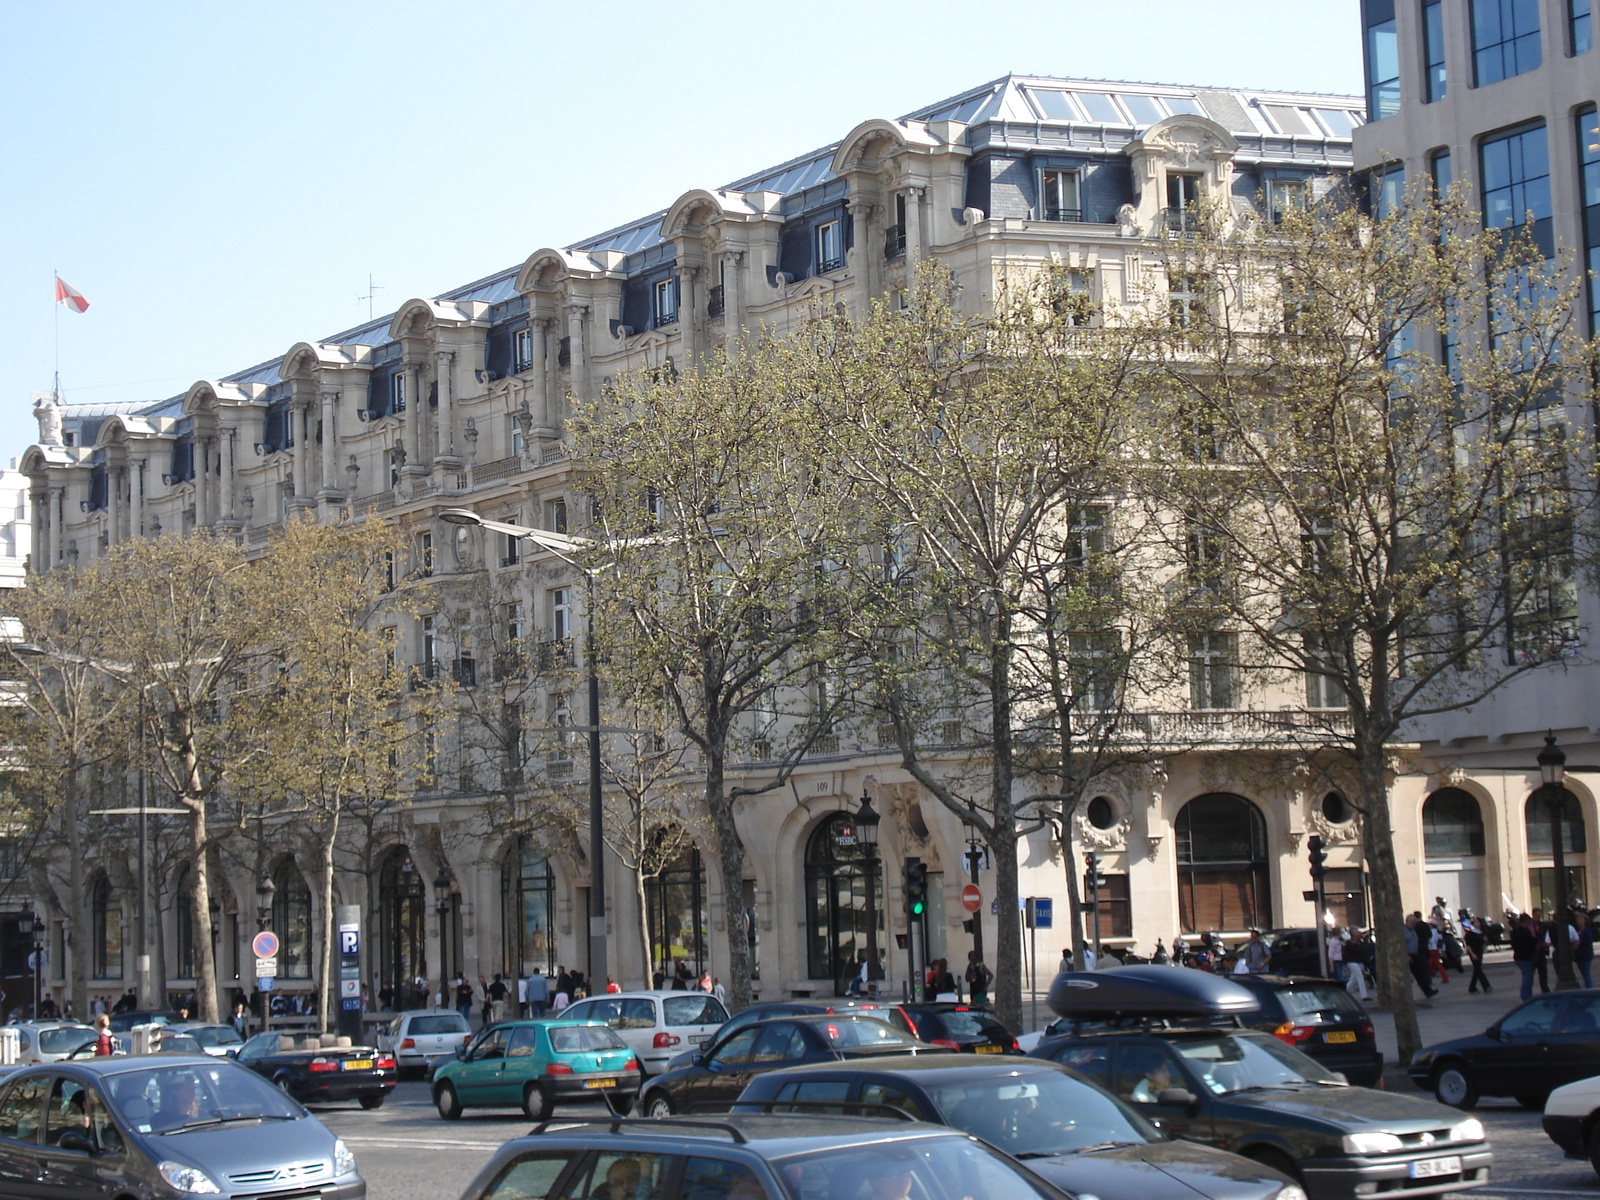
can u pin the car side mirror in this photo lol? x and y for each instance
(1176, 1097)
(74, 1140)
(1493, 1032)
(1340, 1077)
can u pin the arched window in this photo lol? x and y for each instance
(402, 917)
(836, 899)
(675, 910)
(1452, 825)
(183, 925)
(291, 920)
(1540, 822)
(1222, 865)
(528, 899)
(105, 919)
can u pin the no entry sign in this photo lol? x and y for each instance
(971, 898)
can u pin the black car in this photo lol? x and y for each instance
(720, 1072)
(883, 1010)
(1246, 1091)
(962, 1027)
(1318, 1018)
(163, 1125)
(315, 1073)
(1536, 1047)
(753, 1158)
(1067, 1129)
(1295, 952)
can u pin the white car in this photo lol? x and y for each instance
(1572, 1119)
(50, 1041)
(656, 1025)
(418, 1039)
(219, 1041)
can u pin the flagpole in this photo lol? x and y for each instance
(56, 305)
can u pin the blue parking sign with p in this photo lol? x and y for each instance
(349, 941)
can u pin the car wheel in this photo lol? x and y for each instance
(536, 1102)
(658, 1106)
(1533, 1101)
(1452, 1085)
(1593, 1147)
(1275, 1159)
(444, 1099)
(370, 1102)
(283, 1085)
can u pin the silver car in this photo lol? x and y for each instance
(424, 1037)
(50, 1041)
(219, 1040)
(656, 1025)
(163, 1126)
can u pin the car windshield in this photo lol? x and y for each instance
(1240, 1062)
(693, 1010)
(453, 1023)
(64, 1041)
(926, 1168)
(216, 1035)
(579, 1039)
(181, 1043)
(1320, 1003)
(1039, 1113)
(848, 1032)
(191, 1095)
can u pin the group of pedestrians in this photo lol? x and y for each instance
(1533, 943)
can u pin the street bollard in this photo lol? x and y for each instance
(8, 1047)
(144, 1039)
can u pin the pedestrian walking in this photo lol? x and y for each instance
(1435, 934)
(978, 977)
(464, 998)
(612, 986)
(538, 993)
(1336, 954)
(104, 1044)
(1417, 953)
(497, 999)
(1254, 955)
(1545, 935)
(1525, 936)
(1583, 946)
(1472, 935)
(1358, 956)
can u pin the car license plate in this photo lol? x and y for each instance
(699, 1039)
(1341, 1035)
(599, 1083)
(1429, 1167)
(358, 1064)
(986, 1049)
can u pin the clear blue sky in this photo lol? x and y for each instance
(220, 179)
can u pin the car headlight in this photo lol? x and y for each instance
(1290, 1191)
(1372, 1143)
(343, 1161)
(1470, 1130)
(188, 1179)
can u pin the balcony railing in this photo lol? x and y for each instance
(1063, 214)
(556, 654)
(894, 241)
(714, 305)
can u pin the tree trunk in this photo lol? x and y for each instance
(325, 993)
(1075, 910)
(1388, 906)
(1008, 963)
(205, 963)
(642, 926)
(76, 944)
(730, 857)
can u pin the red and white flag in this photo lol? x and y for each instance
(70, 296)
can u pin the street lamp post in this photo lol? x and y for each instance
(32, 926)
(867, 820)
(441, 892)
(1553, 771)
(562, 546)
(266, 890)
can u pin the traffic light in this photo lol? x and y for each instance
(1091, 876)
(916, 887)
(1318, 856)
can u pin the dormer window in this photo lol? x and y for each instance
(1058, 193)
(664, 309)
(1285, 196)
(522, 350)
(1183, 200)
(830, 247)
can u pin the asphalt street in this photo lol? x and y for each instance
(406, 1152)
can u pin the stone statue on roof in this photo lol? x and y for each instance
(47, 410)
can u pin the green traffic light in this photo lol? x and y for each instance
(917, 907)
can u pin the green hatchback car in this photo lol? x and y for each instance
(538, 1064)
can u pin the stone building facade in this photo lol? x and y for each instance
(459, 400)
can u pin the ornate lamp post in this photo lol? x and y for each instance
(441, 892)
(867, 820)
(1553, 771)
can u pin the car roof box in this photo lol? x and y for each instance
(1147, 992)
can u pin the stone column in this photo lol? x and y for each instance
(445, 422)
(540, 371)
(136, 497)
(416, 419)
(303, 449)
(732, 294)
(230, 476)
(329, 400)
(913, 230)
(689, 312)
(866, 255)
(114, 477)
(57, 504)
(580, 356)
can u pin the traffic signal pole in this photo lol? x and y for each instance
(1316, 851)
(1091, 880)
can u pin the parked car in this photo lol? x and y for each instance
(883, 1010)
(1535, 1048)
(1145, 1034)
(176, 1043)
(1572, 1119)
(1294, 952)
(421, 1038)
(657, 1025)
(720, 1072)
(50, 1041)
(537, 1064)
(107, 1126)
(1072, 1132)
(754, 1158)
(962, 1027)
(220, 1041)
(122, 1022)
(313, 1071)
(1318, 1018)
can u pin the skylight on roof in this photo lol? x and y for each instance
(1145, 110)
(1185, 104)
(1101, 107)
(1054, 104)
